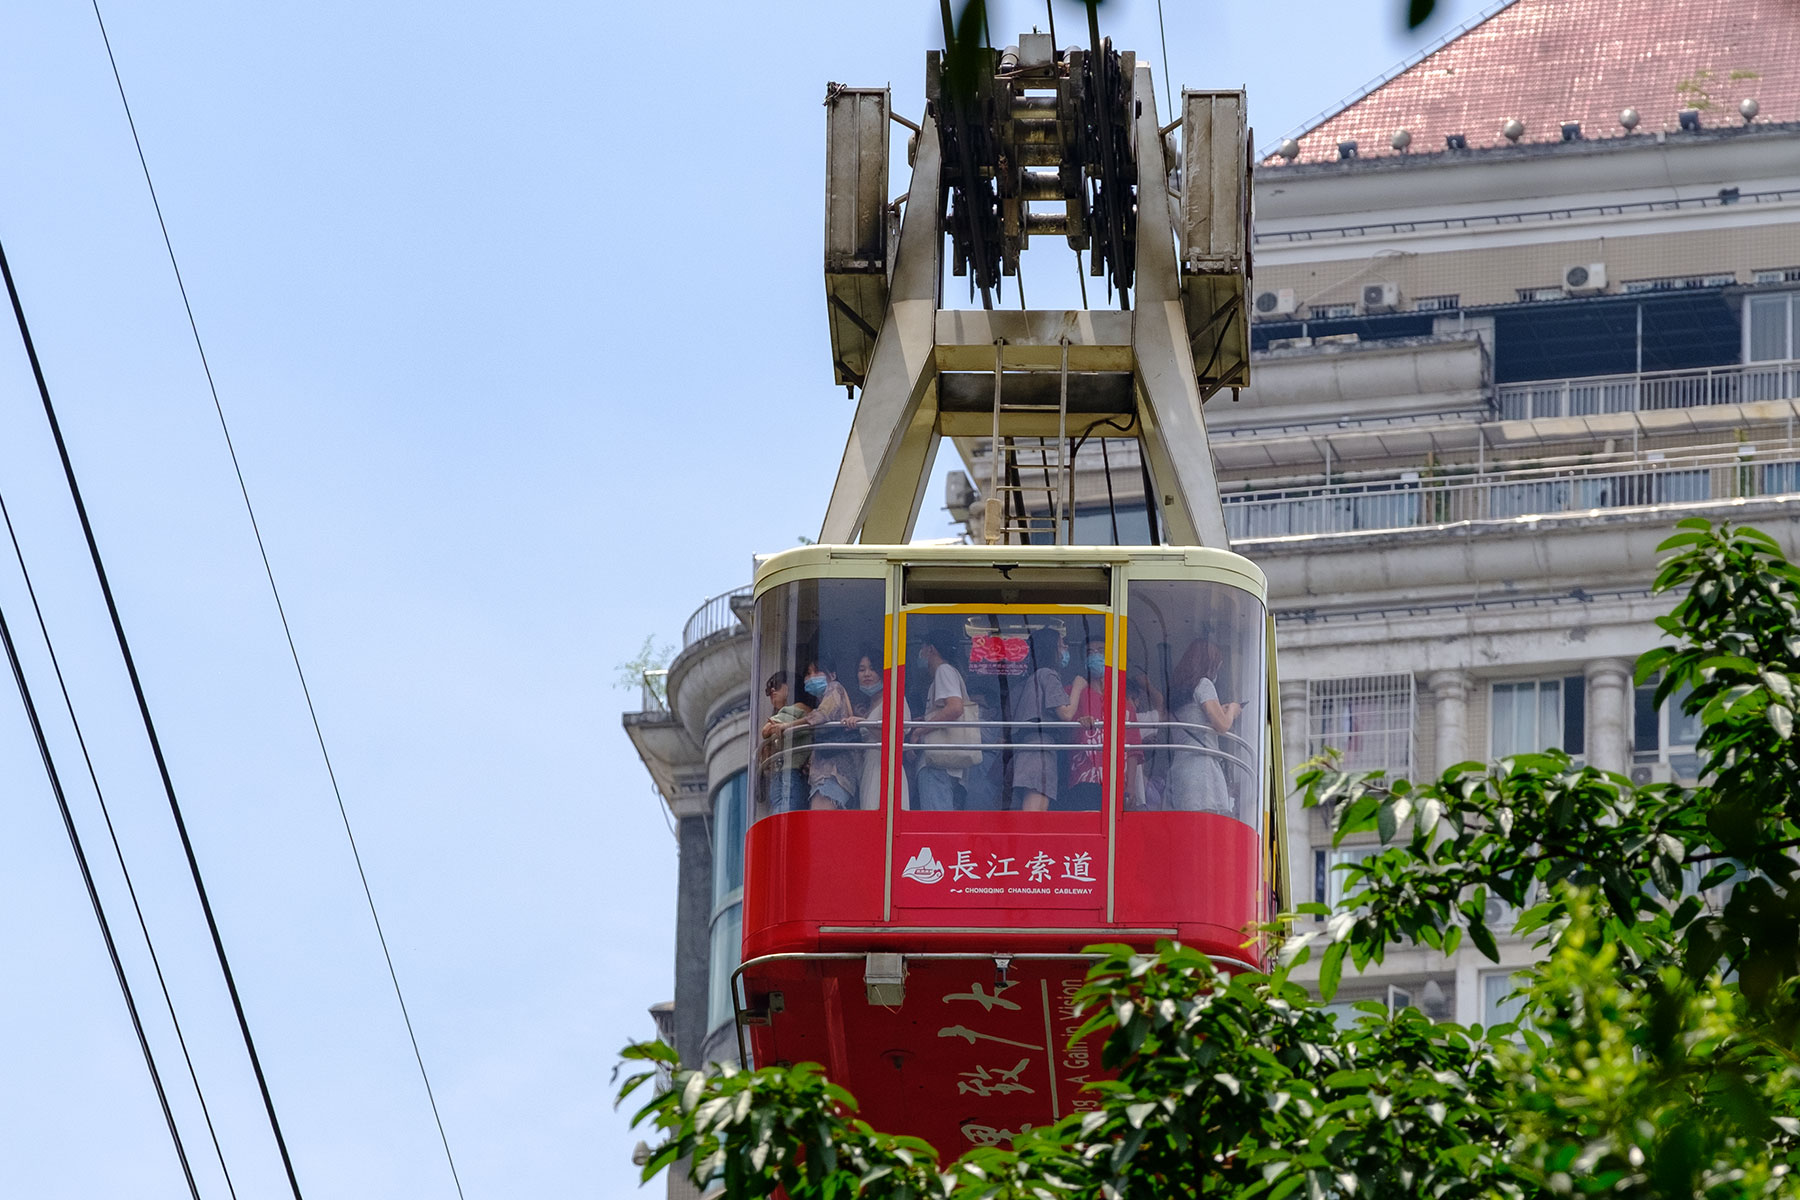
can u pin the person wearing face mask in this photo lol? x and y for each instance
(832, 774)
(866, 717)
(1087, 768)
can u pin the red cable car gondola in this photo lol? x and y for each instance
(1083, 755)
(972, 762)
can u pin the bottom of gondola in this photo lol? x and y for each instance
(959, 1049)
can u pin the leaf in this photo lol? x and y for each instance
(1781, 720)
(1387, 820)
(1331, 969)
(1484, 940)
(690, 1092)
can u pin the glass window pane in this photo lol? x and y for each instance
(1684, 730)
(1094, 525)
(727, 953)
(1549, 715)
(1004, 710)
(1498, 1005)
(1338, 879)
(1768, 319)
(1501, 737)
(1574, 731)
(1197, 680)
(731, 819)
(1646, 734)
(809, 640)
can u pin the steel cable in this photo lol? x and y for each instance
(118, 851)
(143, 704)
(280, 608)
(87, 879)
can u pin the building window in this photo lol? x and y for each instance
(727, 953)
(1367, 718)
(1094, 525)
(1447, 303)
(1499, 1003)
(730, 822)
(1330, 884)
(1664, 733)
(1331, 312)
(1778, 275)
(1533, 715)
(1769, 328)
(1780, 478)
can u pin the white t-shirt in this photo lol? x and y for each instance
(947, 682)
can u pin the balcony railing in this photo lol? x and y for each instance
(715, 616)
(1651, 480)
(1596, 394)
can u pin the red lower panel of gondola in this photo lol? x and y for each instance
(961, 1061)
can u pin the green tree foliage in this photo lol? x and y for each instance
(1658, 1050)
(644, 669)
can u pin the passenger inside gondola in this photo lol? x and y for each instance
(945, 753)
(1197, 778)
(1087, 767)
(832, 773)
(865, 718)
(783, 749)
(1034, 699)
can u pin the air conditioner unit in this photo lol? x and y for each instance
(1279, 303)
(1380, 297)
(1647, 773)
(1585, 277)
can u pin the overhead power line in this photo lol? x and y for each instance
(118, 851)
(280, 608)
(87, 879)
(149, 723)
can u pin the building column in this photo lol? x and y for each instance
(1609, 698)
(1450, 712)
(693, 916)
(1294, 741)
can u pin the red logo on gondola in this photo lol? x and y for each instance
(998, 654)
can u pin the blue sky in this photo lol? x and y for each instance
(516, 312)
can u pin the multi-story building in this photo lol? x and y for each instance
(1516, 311)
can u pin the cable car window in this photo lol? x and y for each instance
(996, 712)
(818, 664)
(1196, 681)
(1007, 583)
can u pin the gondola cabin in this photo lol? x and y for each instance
(970, 764)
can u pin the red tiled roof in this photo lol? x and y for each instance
(1550, 61)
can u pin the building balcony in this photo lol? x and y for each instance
(1651, 481)
(1649, 391)
(722, 613)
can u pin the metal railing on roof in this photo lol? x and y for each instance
(1654, 479)
(715, 616)
(1595, 394)
(1486, 220)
